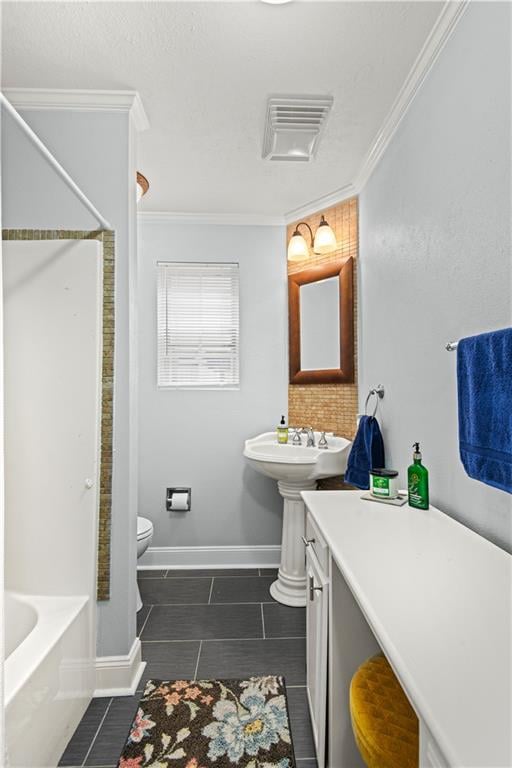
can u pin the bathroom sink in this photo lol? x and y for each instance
(296, 468)
(292, 463)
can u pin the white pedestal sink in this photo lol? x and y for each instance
(296, 468)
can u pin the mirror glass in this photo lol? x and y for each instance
(319, 324)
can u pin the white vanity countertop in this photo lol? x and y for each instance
(438, 598)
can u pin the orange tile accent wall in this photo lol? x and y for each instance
(329, 407)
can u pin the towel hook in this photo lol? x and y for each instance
(378, 391)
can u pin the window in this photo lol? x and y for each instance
(198, 325)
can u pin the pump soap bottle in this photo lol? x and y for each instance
(282, 431)
(417, 481)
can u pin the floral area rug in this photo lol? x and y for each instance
(211, 724)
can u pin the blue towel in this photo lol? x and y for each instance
(484, 383)
(367, 453)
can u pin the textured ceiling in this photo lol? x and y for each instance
(204, 71)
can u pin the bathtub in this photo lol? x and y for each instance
(48, 675)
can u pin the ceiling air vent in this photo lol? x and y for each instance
(293, 126)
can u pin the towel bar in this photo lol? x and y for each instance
(378, 391)
(452, 346)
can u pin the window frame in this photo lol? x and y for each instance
(231, 387)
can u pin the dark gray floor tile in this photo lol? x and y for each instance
(224, 572)
(269, 572)
(284, 621)
(113, 733)
(199, 622)
(301, 725)
(246, 658)
(176, 591)
(169, 661)
(142, 616)
(151, 574)
(77, 748)
(241, 590)
(306, 763)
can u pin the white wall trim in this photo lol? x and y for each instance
(321, 203)
(268, 556)
(434, 44)
(119, 675)
(80, 100)
(439, 35)
(228, 219)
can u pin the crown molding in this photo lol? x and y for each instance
(320, 203)
(80, 100)
(434, 44)
(231, 219)
(439, 35)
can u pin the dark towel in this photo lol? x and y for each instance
(484, 383)
(367, 453)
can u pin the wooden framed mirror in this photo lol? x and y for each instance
(321, 324)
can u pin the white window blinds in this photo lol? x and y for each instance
(198, 325)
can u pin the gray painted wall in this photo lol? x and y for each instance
(96, 148)
(435, 258)
(195, 438)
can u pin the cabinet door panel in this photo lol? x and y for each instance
(317, 650)
(317, 543)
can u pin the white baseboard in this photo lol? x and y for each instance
(268, 556)
(119, 675)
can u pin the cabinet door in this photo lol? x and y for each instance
(317, 651)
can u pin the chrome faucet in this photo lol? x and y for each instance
(311, 438)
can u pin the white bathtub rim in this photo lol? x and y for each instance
(10, 644)
(55, 614)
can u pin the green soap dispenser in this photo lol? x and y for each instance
(417, 481)
(282, 431)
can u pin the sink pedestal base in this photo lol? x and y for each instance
(290, 586)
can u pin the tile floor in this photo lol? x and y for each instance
(204, 624)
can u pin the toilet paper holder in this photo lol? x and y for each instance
(170, 494)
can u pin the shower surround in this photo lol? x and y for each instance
(53, 319)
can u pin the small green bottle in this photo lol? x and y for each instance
(282, 432)
(417, 479)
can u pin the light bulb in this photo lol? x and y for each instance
(325, 239)
(297, 247)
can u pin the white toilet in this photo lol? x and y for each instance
(144, 537)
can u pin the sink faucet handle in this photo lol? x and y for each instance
(296, 437)
(322, 443)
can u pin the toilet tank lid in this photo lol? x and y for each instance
(144, 526)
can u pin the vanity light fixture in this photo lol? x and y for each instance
(325, 239)
(142, 186)
(298, 248)
(323, 242)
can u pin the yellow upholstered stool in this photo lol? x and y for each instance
(384, 723)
